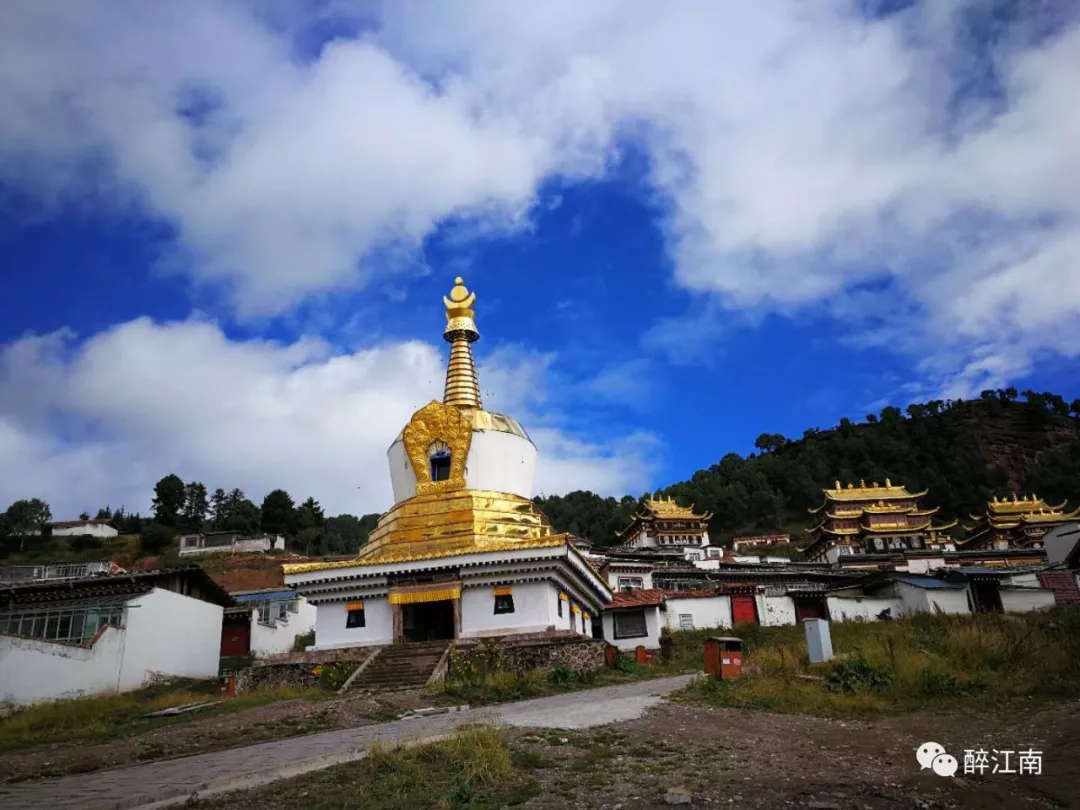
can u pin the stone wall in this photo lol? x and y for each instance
(358, 654)
(576, 653)
(299, 672)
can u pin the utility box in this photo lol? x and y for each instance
(643, 656)
(723, 657)
(818, 640)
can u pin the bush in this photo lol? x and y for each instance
(561, 675)
(85, 542)
(303, 641)
(858, 675)
(945, 684)
(155, 538)
(333, 676)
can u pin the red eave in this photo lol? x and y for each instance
(648, 597)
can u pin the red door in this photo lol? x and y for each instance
(743, 610)
(235, 639)
(810, 609)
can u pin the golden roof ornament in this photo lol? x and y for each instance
(462, 386)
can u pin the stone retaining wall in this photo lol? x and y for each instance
(576, 653)
(299, 674)
(357, 654)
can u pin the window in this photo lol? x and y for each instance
(630, 624)
(631, 584)
(264, 613)
(354, 616)
(439, 458)
(72, 625)
(504, 603)
(686, 621)
(559, 603)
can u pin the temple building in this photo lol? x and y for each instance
(873, 519)
(665, 527)
(463, 552)
(1015, 523)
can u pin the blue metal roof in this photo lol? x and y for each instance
(923, 582)
(265, 596)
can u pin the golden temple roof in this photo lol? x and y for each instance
(862, 492)
(450, 524)
(1024, 505)
(668, 508)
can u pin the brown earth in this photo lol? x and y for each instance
(273, 721)
(747, 759)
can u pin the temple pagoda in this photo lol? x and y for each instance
(1019, 522)
(873, 519)
(664, 526)
(464, 552)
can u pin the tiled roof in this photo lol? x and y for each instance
(265, 595)
(47, 591)
(649, 597)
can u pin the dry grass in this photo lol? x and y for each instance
(884, 666)
(111, 716)
(473, 769)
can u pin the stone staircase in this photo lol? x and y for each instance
(401, 666)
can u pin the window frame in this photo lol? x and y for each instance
(629, 587)
(626, 613)
(504, 603)
(352, 615)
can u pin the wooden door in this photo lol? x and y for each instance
(743, 610)
(235, 639)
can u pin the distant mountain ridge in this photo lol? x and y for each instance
(964, 452)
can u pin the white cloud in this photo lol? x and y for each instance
(84, 425)
(809, 154)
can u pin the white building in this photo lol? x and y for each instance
(464, 552)
(77, 528)
(199, 543)
(278, 616)
(633, 619)
(73, 638)
(663, 527)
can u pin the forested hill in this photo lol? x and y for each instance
(964, 452)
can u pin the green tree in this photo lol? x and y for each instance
(28, 517)
(169, 496)
(278, 513)
(196, 505)
(241, 515)
(218, 509)
(104, 514)
(84, 516)
(309, 515)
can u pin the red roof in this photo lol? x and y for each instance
(648, 597)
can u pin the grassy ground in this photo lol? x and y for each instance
(473, 769)
(112, 716)
(950, 661)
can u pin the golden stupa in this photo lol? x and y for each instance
(446, 518)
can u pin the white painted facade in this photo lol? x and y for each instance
(704, 612)
(535, 610)
(164, 634)
(498, 461)
(280, 634)
(774, 611)
(651, 640)
(620, 575)
(193, 545)
(932, 600)
(1024, 600)
(863, 608)
(91, 528)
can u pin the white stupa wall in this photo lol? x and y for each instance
(498, 461)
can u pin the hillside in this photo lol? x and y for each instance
(964, 452)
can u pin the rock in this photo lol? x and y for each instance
(563, 741)
(822, 805)
(960, 782)
(678, 796)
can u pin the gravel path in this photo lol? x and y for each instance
(172, 782)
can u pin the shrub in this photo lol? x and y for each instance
(858, 675)
(333, 676)
(155, 538)
(561, 675)
(945, 684)
(303, 641)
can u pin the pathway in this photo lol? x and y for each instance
(172, 782)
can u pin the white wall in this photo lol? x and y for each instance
(863, 608)
(92, 529)
(714, 611)
(164, 634)
(266, 640)
(1021, 600)
(32, 670)
(498, 461)
(613, 578)
(932, 600)
(535, 610)
(170, 634)
(774, 611)
(652, 626)
(331, 632)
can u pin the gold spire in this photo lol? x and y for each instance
(462, 387)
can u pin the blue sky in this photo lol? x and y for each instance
(682, 232)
